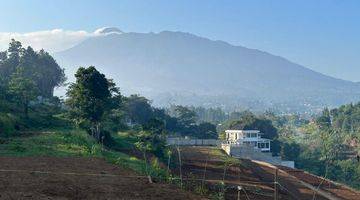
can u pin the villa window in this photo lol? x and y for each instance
(262, 145)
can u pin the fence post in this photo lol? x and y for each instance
(179, 155)
(239, 189)
(276, 189)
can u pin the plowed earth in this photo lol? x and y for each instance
(257, 179)
(77, 178)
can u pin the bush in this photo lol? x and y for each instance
(7, 125)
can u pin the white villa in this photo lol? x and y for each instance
(249, 137)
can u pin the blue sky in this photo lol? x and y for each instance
(323, 35)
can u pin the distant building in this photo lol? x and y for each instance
(248, 137)
(249, 144)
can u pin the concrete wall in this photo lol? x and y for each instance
(290, 164)
(249, 152)
(192, 142)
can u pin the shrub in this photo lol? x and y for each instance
(7, 125)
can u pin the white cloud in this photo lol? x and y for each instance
(50, 40)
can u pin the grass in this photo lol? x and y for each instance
(70, 143)
(124, 140)
(220, 154)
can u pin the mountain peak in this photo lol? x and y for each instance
(172, 66)
(108, 30)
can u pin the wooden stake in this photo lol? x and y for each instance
(181, 182)
(276, 189)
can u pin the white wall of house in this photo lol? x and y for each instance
(248, 137)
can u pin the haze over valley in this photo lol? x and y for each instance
(181, 99)
(182, 68)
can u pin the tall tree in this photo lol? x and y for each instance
(139, 109)
(89, 98)
(207, 130)
(23, 89)
(40, 67)
(186, 118)
(249, 121)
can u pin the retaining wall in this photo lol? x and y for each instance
(249, 152)
(193, 142)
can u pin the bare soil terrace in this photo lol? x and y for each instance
(256, 178)
(77, 178)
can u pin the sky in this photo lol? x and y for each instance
(323, 35)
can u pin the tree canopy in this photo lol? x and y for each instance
(89, 98)
(38, 66)
(249, 121)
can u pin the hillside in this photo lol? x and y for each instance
(72, 165)
(257, 178)
(177, 67)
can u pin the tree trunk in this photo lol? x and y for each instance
(26, 110)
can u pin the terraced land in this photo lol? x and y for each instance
(211, 166)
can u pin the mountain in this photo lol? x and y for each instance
(177, 67)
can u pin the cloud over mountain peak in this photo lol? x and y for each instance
(108, 30)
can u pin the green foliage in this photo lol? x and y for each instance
(27, 81)
(90, 98)
(186, 117)
(153, 141)
(39, 67)
(68, 143)
(186, 122)
(65, 143)
(249, 121)
(212, 115)
(7, 125)
(138, 109)
(290, 151)
(207, 130)
(23, 90)
(328, 145)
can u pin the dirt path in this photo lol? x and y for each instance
(77, 178)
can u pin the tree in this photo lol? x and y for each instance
(89, 98)
(48, 73)
(186, 119)
(248, 121)
(207, 130)
(155, 137)
(290, 151)
(152, 140)
(324, 121)
(138, 109)
(40, 67)
(23, 90)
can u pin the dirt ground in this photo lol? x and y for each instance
(338, 190)
(77, 178)
(256, 179)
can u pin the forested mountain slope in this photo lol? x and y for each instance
(177, 67)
